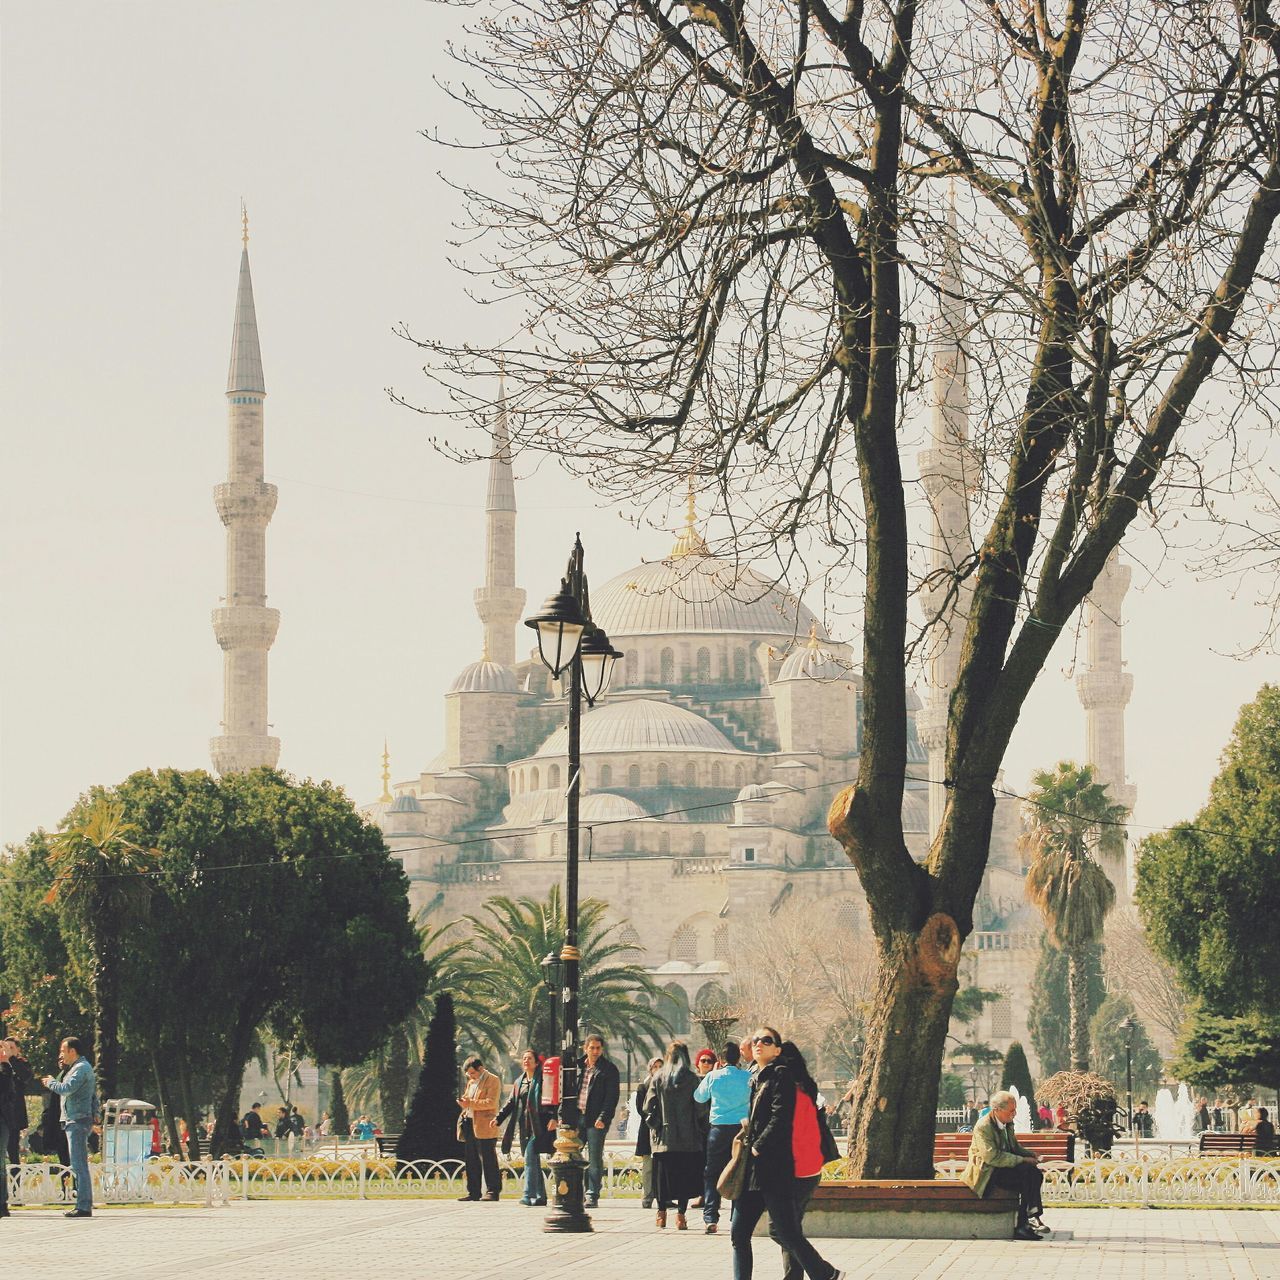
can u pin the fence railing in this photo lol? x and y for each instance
(1202, 1181)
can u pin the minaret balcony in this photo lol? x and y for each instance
(246, 626)
(1101, 690)
(236, 752)
(942, 470)
(245, 500)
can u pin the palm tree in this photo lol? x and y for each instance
(100, 872)
(501, 963)
(1069, 817)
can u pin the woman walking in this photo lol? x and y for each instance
(523, 1113)
(672, 1116)
(772, 1184)
(644, 1136)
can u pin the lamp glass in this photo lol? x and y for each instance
(595, 673)
(557, 643)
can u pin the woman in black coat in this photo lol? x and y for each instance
(672, 1116)
(644, 1138)
(771, 1171)
(523, 1112)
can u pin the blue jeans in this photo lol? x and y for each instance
(78, 1140)
(595, 1162)
(535, 1190)
(719, 1149)
(784, 1226)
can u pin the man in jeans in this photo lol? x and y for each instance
(728, 1089)
(75, 1089)
(597, 1101)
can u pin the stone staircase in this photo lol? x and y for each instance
(725, 721)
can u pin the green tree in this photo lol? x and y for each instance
(1110, 1050)
(951, 1090)
(1207, 890)
(1069, 815)
(1016, 1072)
(101, 879)
(339, 1117)
(430, 1129)
(1049, 1020)
(501, 965)
(1218, 1052)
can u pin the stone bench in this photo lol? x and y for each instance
(907, 1208)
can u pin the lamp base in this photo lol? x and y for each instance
(567, 1171)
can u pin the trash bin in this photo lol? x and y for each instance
(126, 1146)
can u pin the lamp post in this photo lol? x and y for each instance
(570, 644)
(551, 981)
(1127, 1026)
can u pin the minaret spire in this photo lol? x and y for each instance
(245, 628)
(386, 797)
(500, 602)
(1104, 688)
(944, 473)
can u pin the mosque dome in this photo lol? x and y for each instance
(640, 724)
(405, 803)
(753, 791)
(604, 806)
(485, 677)
(813, 662)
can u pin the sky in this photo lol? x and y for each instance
(130, 130)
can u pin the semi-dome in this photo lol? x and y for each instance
(605, 806)
(813, 662)
(640, 724)
(696, 595)
(485, 677)
(405, 803)
(753, 791)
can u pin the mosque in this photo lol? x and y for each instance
(708, 768)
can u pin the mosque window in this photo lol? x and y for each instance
(664, 842)
(690, 775)
(534, 778)
(606, 776)
(553, 777)
(673, 1005)
(520, 782)
(633, 776)
(698, 845)
(704, 666)
(717, 774)
(499, 751)
(684, 944)
(739, 776)
(847, 917)
(1002, 1018)
(664, 776)
(739, 666)
(628, 937)
(748, 855)
(628, 842)
(720, 943)
(667, 667)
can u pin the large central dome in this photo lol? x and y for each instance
(697, 594)
(640, 724)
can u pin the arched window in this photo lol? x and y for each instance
(690, 775)
(633, 776)
(535, 778)
(664, 776)
(664, 842)
(1002, 1018)
(739, 777)
(667, 667)
(553, 778)
(684, 944)
(606, 776)
(628, 937)
(698, 845)
(519, 782)
(739, 666)
(704, 666)
(628, 841)
(555, 844)
(847, 917)
(720, 942)
(673, 1005)
(717, 774)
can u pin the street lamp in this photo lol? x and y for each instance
(1128, 1027)
(569, 643)
(551, 981)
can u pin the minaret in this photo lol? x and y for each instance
(500, 602)
(1105, 687)
(943, 474)
(244, 626)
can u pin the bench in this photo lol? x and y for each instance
(1050, 1145)
(909, 1208)
(386, 1143)
(1226, 1144)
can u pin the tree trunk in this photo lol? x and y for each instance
(162, 1097)
(226, 1130)
(897, 1094)
(1078, 1003)
(190, 1114)
(393, 1080)
(106, 998)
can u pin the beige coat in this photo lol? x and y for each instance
(994, 1146)
(481, 1096)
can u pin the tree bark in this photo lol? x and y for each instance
(226, 1130)
(162, 1097)
(1078, 1003)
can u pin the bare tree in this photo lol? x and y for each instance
(716, 239)
(1146, 979)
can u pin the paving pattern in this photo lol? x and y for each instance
(436, 1240)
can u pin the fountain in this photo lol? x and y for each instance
(1022, 1118)
(1174, 1116)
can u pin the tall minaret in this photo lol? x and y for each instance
(946, 480)
(1105, 687)
(245, 627)
(500, 602)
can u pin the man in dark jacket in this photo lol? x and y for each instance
(597, 1101)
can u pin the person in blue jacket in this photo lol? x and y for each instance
(728, 1090)
(76, 1091)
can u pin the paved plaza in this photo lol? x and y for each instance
(348, 1240)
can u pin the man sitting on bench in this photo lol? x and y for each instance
(997, 1159)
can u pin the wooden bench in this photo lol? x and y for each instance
(1226, 1144)
(909, 1208)
(386, 1143)
(1050, 1145)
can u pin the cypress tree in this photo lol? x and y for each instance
(430, 1129)
(1016, 1072)
(339, 1120)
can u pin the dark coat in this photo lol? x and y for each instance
(769, 1126)
(15, 1109)
(602, 1098)
(50, 1138)
(644, 1138)
(8, 1097)
(671, 1112)
(530, 1119)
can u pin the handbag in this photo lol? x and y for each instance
(732, 1182)
(830, 1148)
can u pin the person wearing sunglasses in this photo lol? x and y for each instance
(771, 1173)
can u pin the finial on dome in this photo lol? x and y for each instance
(690, 542)
(386, 796)
(813, 637)
(244, 225)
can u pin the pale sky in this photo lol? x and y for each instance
(130, 131)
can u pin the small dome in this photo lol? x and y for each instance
(604, 806)
(485, 677)
(915, 813)
(640, 724)
(405, 804)
(813, 662)
(753, 791)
